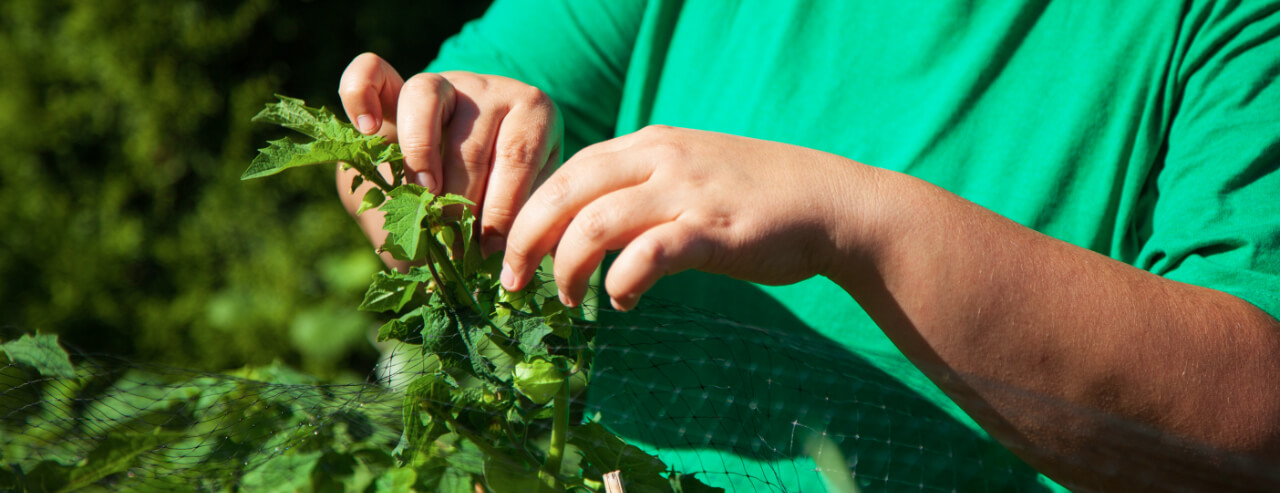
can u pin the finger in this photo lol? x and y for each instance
(549, 209)
(663, 250)
(369, 88)
(525, 141)
(468, 148)
(426, 103)
(608, 223)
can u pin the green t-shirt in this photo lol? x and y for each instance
(1146, 130)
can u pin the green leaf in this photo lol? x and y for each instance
(455, 481)
(388, 292)
(441, 333)
(422, 397)
(501, 476)
(318, 123)
(398, 480)
(335, 141)
(283, 154)
(41, 352)
(405, 208)
(405, 328)
(284, 473)
(603, 452)
(116, 453)
(452, 199)
(529, 333)
(373, 198)
(467, 458)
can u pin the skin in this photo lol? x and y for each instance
(1080, 364)
(487, 138)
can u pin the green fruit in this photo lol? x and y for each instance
(538, 379)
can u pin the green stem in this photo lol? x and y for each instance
(436, 251)
(550, 472)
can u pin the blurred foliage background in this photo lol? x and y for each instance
(124, 127)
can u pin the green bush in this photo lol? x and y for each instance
(125, 126)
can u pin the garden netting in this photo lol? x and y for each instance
(739, 407)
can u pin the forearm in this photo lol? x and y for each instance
(1014, 324)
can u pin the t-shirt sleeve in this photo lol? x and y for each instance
(1215, 221)
(576, 51)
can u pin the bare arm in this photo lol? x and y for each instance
(1055, 349)
(995, 312)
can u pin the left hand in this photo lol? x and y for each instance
(675, 199)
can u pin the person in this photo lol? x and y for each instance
(1071, 200)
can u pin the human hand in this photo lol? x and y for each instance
(487, 138)
(676, 199)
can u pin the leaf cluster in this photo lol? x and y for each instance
(68, 428)
(496, 402)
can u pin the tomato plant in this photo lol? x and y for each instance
(493, 405)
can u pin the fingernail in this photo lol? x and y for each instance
(493, 243)
(508, 278)
(564, 298)
(427, 181)
(365, 122)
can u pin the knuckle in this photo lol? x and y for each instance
(474, 155)
(424, 82)
(498, 217)
(667, 150)
(520, 154)
(656, 130)
(554, 192)
(515, 254)
(650, 252)
(533, 97)
(416, 145)
(592, 225)
(353, 91)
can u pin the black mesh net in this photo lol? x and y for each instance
(736, 406)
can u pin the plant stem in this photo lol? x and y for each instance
(436, 251)
(550, 472)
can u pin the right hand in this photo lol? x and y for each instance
(488, 138)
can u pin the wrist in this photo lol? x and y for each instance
(863, 217)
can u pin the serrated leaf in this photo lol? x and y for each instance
(441, 334)
(317, 123)
(405, 208)
(335, 141)
(453, 199)
(388, 292)
(406, 328)
(41, 352)
(116, 453)
(283, 154)
(467, 458)
(529, 334)
(455, 481)
(396, 480)
(284, 473)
